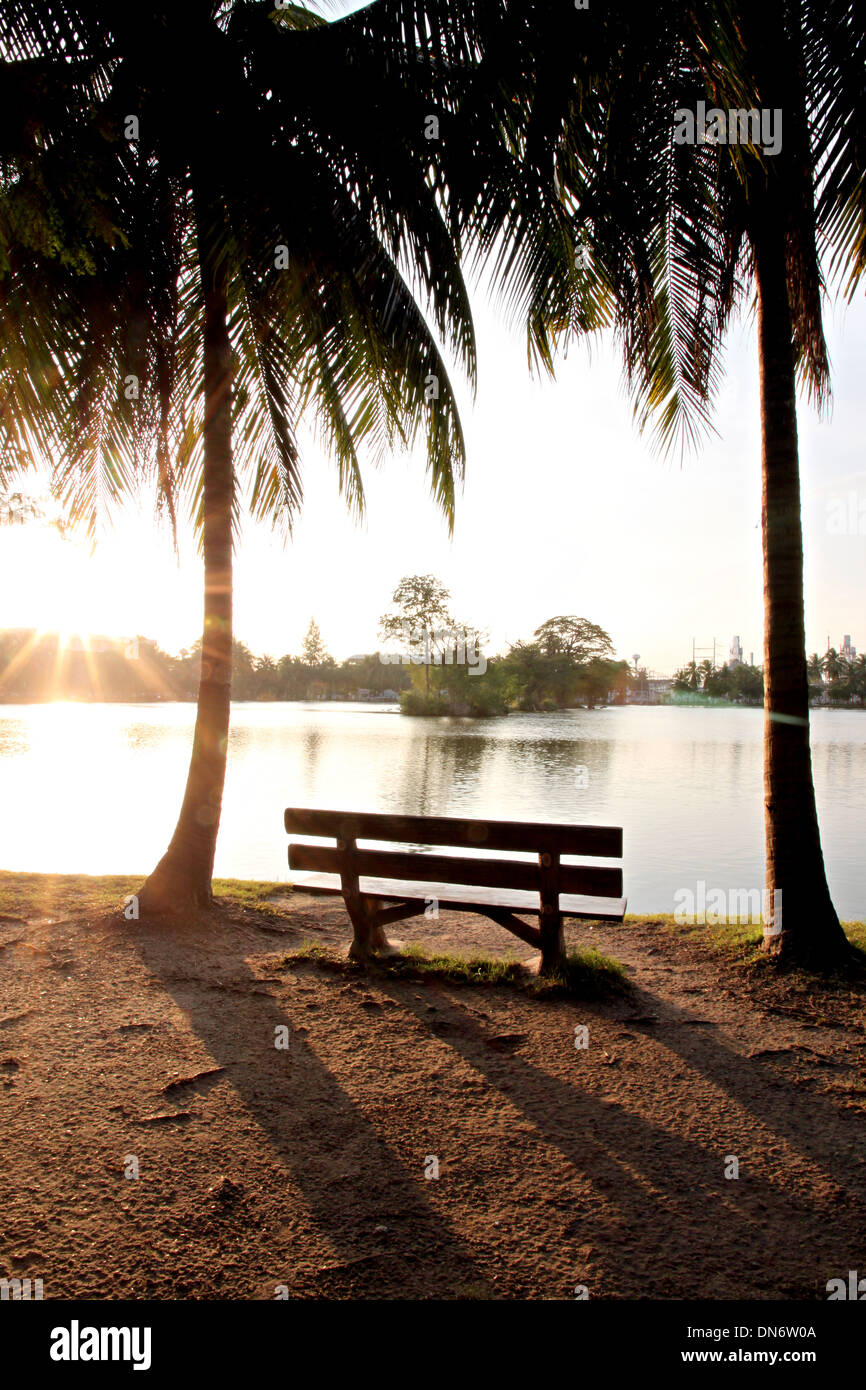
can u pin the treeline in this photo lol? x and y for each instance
(41, 666)
(565, 664)
(742, 685)
(833, 679)
(836, 680)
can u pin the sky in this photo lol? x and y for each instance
(566, 508)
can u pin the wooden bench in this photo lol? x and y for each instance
(381, 886)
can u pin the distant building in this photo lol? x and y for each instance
(660, 685)
(651, 689)
(847, 652)
(736, 654)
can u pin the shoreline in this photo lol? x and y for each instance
(40, 892)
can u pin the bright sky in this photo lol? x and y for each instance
(565, 510)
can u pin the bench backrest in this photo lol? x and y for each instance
(548, 841)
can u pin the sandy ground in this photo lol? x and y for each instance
(304, 1167)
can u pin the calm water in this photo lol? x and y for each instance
(96, 788)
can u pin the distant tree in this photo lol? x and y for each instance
(243, 672)
(313, 650)
(815, 669)
(568, 662)
(857, 678)
(835, 667)
(747, 684)
(573, 637)
(838, 672)
(465, 691)
(422, 617)
(265, 678)
(839, 677)
(291, 678)
(596, 678)
(620, 680)
(681, 679)
(718, 681)
(369, 672)
(529, 673)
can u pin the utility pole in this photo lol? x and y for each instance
(696, 649)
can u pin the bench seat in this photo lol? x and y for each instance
(452, 897)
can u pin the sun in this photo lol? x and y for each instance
(59, 586)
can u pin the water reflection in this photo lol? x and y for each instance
(685, 784)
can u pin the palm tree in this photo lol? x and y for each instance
(835, 667)
(673, 236)
(857, 677)
(220, 264)
(815, 669)
(705, 670)
(839, 672)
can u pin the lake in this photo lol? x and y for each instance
(96, 788)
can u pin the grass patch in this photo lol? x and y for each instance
(67, 895)
(251, 892)
(63, 895)
(587, 974)
(739, 941)
(856, 934)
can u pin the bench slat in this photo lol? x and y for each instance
(457, 899)
(440, 868)
(599, 841)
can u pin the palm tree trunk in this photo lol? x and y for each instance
(811, 934)
(181, 880)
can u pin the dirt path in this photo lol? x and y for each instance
(262, 1166)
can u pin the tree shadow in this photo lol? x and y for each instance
(349, 1177)
(649, 1194)
(676, 1215)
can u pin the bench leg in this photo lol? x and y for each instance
(550, 922)
(552, 944)
(368, 939)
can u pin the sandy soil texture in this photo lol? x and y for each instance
(125, 1047)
